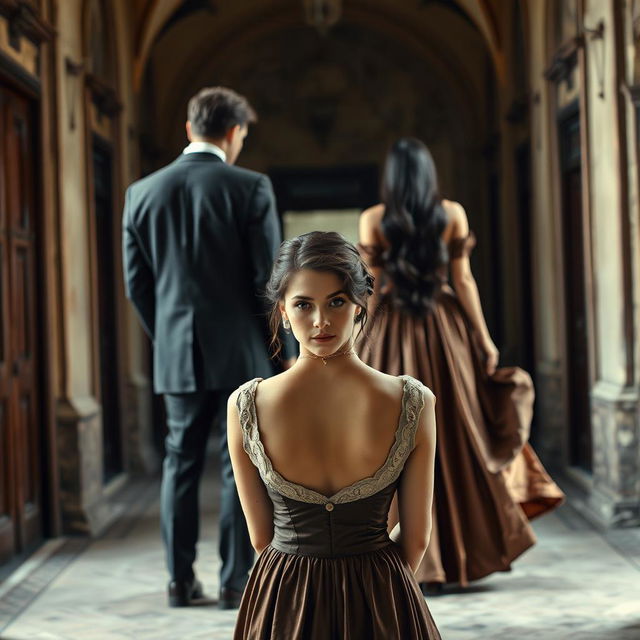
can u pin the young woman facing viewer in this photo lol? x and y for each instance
(318, 453)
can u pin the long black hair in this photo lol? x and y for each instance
(413, 222)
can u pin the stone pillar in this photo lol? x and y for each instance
(615, 499)
(84, 510)
(551, 415)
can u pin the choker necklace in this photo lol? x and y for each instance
(313, 356)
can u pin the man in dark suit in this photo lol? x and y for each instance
(200, 236)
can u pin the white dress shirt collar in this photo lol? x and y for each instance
(205, 147)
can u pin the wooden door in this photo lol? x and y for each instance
(580, 446)
(20, 464)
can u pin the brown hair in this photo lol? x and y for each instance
(319, 251)
(215, 110)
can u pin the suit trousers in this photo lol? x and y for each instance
(189, 420)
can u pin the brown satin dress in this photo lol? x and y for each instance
(331, 572)
(488, 480)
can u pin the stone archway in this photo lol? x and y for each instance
(383, 71)
(152, 16)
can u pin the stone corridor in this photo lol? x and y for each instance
(576, 583)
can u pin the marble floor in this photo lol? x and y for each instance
(574, 584)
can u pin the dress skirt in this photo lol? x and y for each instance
(369, 595)
(488, 481)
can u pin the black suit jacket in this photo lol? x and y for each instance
(199, 239)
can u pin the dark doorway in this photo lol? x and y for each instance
(523, 186)
(328, 188)
(580, 446)
(495, 311)
(21, 474)
(107, 318)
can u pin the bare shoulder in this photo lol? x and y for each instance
(454, 210)
(373, 214)
(426, 427)
(429, 397)
(277, 388)
(458, 225)
(382, 386)
(370, 223)
(233, 398)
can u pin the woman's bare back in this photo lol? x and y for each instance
(327, 432)
(371, 224)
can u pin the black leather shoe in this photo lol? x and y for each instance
(229, 599)
(182, 593)
(432, 588)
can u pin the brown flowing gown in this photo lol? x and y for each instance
(331, 572)
(488, 480)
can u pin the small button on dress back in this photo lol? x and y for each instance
(329, 506)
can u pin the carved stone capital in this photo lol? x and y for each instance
(633, 91)
(564, 61)
(24, 19)
(103, 96)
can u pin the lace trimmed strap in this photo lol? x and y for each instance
(254, 448)
(459, 247)
(405, 440)
(248, 423)
(412, 404)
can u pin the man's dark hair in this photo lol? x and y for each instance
(215, 110)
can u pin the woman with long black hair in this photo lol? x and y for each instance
(488, 481)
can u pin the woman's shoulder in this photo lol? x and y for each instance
(370, 226)
(456, 216)
(389, 388)
(265, 391)
(382, 385)
(373, 214)
(283, 387)
(453, 208)
(243, 388)
(417, 402)
(422, 394)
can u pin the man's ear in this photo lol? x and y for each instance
(188, 128)
(231, 133)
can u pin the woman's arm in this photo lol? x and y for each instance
(255, 501)
(415, 491)
(368, 236)
(467, 290)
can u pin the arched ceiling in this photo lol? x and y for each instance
(459, 66)
(152, 16)
(426, 74)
